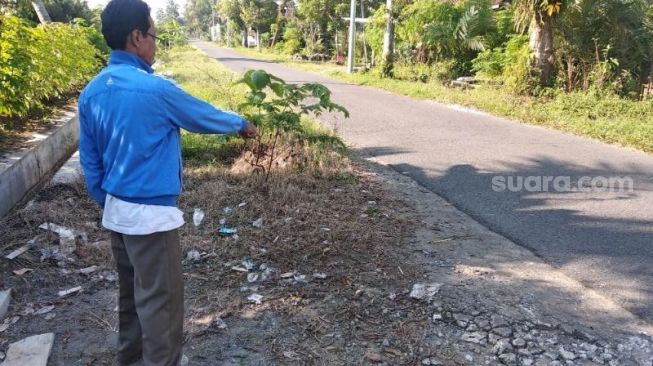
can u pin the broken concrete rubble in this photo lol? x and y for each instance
(18, 252)
(424, 291)
(66, 236)
(5, 299)
(32, 351)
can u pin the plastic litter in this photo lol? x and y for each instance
(227, 231)
(227, 210)
(247, 263)
(193, 256)
(108, 275)
(54, 254)
(66, 236)
(242, 204)
(290, 354)
(299, 277)
(44, 310)
(73, 290)
(198, 216)
(258, 223)
(89, 270)
(252, 277)
(267, 274)
(255, 298)
(222, 221)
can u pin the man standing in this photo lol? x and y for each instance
(130, 152)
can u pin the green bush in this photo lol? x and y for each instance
(41, 63)
(95, 37)
(292, 38)
(443, 71)
(509, 64)
(489, 64)
(171, 34)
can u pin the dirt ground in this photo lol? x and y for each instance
(21, 135)
(335, 260)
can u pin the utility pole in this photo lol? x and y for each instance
(364, 37)
(388, 42)
(213, 25)
(352, 34)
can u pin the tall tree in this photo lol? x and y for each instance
(198, 16)
(537, 17)
(171, 11)
(257, 14)
(230, 13)
(41, 11)
(388, 42)
(280, 21)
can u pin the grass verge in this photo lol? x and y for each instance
(606, 118)
(208, 80)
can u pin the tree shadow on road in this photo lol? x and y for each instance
(609, 252)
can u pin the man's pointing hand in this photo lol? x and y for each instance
(249, 132)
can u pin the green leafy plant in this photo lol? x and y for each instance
(41, 63)
(277, 107)
(171, 34)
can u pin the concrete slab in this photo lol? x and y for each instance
(70, 172)
(33, 351)
(5, 298)
(22, 172)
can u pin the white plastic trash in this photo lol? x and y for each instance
(198, 216)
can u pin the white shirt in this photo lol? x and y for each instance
(139, 219)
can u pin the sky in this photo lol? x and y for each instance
(154, 4)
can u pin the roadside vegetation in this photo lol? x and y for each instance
(43, 66)
(583, 67)
(604, 117)
(289, 139)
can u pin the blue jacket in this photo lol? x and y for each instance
(129, 143)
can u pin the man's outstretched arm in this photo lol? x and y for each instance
(197, 116)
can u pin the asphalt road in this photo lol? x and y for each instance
(604, 239)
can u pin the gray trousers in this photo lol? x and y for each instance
(151, 300)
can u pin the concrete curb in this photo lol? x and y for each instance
(33, 169)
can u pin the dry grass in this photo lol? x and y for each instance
(352, 230)
(322, 214)
(64, 204)
(342, 223)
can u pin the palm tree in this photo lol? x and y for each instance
(537, 16)
(458, 32)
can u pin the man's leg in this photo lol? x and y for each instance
(159, 294)
(130, 346)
